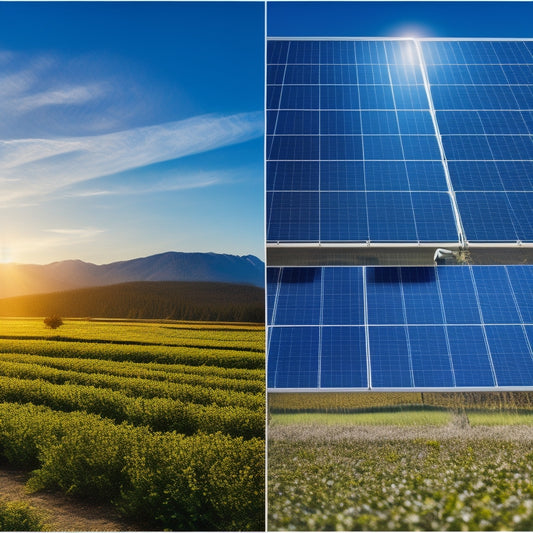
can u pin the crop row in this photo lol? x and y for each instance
(191, 375)
(136, 353)
(252, 339)
(140, 387)
(161, 480)
(161, 414)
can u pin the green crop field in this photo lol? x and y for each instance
(381, 462)
(164, 420)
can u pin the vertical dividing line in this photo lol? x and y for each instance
(362, 142)
(274, 312)
(367, 332)
(320, 326)
(445, 323)
(319, 147)
(485, 338)
(444, 161)
(406, 327)
(513, 294)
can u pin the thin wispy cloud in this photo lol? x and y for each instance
(179, 182)
(42, 96)
(36, 169)
(63, 96)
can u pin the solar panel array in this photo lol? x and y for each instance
(399, 141)
(446, 327)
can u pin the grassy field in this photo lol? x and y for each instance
(165, 420)
(451, 463)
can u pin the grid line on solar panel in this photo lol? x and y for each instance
(469, 347)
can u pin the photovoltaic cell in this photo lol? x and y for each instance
(343, 358)
(416, 328)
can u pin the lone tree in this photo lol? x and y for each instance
(53, 321)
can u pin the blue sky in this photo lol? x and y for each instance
(420, 18)
(130, 129)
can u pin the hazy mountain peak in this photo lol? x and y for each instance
(20, 279)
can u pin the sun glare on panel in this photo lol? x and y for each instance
(410, 31)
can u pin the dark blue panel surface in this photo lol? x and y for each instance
(415, 123)
(338, 74)
(411, 341)
(391, 216)
(292, 175)
(293, 357)
(475, 176)
(376, 97)
(342, 176)
(521, 277)
(426, 176)
(343, 216)
(277, 51)
(458, 295)
(434, 217)
(298, 301)
(386, 176)
(421, 296)
(420, 147)
(304, 52)
(410, 97)
(339, 97)
(340, 122)
(334, 147)
(486, 216)
(382, 147)
(495, 295)
(384, 296)
(343, 300)
(372, 74)
(470, 358)
(293, 147)
(521, 210)
(293, 122)
(299, 97)
(379, 123)
(275, 74)
(430, 357)
(273, 278)
(337, 52)
(292, 216)
(301, 74)
(343, 358)
(390, 361)
(511, 355)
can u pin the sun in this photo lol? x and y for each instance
(6, 255)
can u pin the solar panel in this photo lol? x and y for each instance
(483, 96)
(356, 116)
(416, 328)
(422, 141)
(390, 143)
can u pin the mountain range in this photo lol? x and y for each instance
(23, 279)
